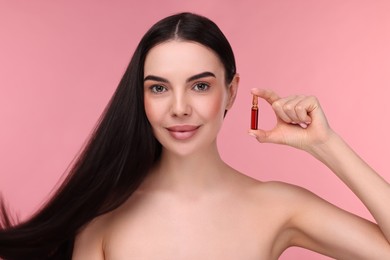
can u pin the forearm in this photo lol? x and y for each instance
(369, 186)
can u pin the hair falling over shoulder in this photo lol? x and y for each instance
(117, 157)
(112, 165)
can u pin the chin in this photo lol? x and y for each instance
(180, 151)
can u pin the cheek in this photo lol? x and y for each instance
(151, 110)
(212, 107)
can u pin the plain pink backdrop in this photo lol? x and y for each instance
(60, 62)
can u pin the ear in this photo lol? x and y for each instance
(232, 91)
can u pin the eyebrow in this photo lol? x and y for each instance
(192, 78)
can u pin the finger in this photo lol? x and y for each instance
(310, 103)
(279, 107)
(292, 109)
(266, 94)
(304, 108)
(262, 136)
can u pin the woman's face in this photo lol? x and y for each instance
(185, 95)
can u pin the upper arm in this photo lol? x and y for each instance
(322, 227)
(89, 243)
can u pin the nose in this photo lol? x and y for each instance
(180, 105)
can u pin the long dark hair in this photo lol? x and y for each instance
(117, 157)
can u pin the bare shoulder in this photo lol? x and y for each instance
(89, 241)
(274, 191)
(278, 198)
(285, 191)
(282, 201)
(272, 207)
(292, 200)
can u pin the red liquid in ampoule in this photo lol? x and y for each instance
(254, 113)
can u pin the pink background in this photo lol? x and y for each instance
(60, 62)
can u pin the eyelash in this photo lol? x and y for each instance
(163, 89)
(153, 89)
(201, 83)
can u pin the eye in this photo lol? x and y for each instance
(201, 87)
(158, 89)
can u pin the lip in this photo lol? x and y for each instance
(182, 132)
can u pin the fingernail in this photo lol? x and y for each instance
(252, 134)
(303, 125)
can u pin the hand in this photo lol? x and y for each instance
(301, 122)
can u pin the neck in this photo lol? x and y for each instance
(194, 172)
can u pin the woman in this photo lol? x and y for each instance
(150, 184)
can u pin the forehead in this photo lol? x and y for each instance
(181, 56)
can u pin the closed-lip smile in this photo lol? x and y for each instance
(182, 132)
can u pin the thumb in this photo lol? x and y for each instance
(262, 136)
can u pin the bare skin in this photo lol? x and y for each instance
(194, 206)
